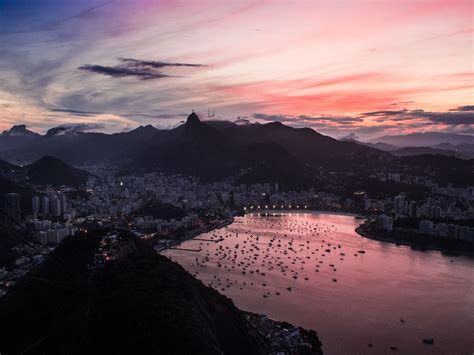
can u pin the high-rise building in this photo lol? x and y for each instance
(12, 208)
(359, 200)
(45, 206)
(55, 206)
(36, 205)
(63, 200)
(399, 204)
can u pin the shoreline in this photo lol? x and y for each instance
(421, 245)
(283, 211)
(196, 233)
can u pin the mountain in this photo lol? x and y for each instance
(215, 150)
(193, 148)
(141, 303)
(427, 139)
(52, 171)
(256, 153)
(76, 147)
(18, 130)
(7, 169)
(17, 137)
(45, 171)
(465, 149)
(309, 146)
(442, 169)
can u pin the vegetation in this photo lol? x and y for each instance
(143, 303)
(162, 211)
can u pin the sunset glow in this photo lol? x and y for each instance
(340, 67)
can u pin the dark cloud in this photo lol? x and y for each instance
(464, 108)
(143, 69)
(323, 120)
(384, 113)
(120, 71)
(458, 116)
(75, 112)
(82, 127)
(156, 64)
(335, 119)
(448, 118)
(74, 127)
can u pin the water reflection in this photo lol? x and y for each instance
(313, 270)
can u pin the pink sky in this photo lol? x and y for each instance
(289, 60)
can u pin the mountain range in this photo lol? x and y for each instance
(426, 139)
(432, 144)
(210, 150)
(215, 150)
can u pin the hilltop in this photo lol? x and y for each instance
(140, 303)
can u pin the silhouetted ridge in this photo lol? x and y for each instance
(193, 118)
(142, 303)
(18, 130)
(52, 171)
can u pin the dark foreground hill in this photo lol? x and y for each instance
(140, 304)
(53, 171)
(45, 171)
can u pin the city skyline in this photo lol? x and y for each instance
(364, 68)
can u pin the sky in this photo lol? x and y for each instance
(342, 67)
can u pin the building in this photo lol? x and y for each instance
(399, 205)
(385, 223)
(12, 208)
(36, 205)
(359, 200)
(45, 206)
(63, 200)
(426, 227)
(55, 206)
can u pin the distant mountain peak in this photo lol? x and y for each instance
(18, 130)
(146, 128)
(193, 118)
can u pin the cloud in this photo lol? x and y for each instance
(350, 137)
(164, 116)
(457, 116)
(118, 71)
(74, 128)
(336, 120)
(156, 64)
(75, 112)
(82, 127)
(272, 118)
(464, 108)
(341, 120)
(385, 113)
(448, 118)
(143, 69)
